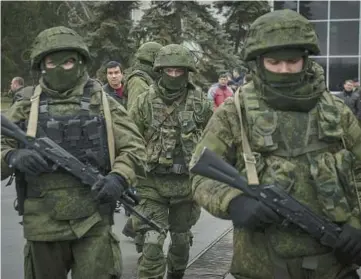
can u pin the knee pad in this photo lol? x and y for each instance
(153, 245)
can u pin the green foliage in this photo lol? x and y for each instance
(111, 34)
(239, 15)
(105, 26)
(21, 21)
(194, 25)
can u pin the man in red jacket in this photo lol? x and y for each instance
(219, 92)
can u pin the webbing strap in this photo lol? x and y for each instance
(34, 112)
(109, 127)
(249, 159)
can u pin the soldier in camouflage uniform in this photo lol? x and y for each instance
(303, 139)
(170, 115)
(142, 75)
(65, 227)
(136, 83)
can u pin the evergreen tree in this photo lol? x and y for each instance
(239, 15)
(192, 24)
(21, 21)
(106, 27)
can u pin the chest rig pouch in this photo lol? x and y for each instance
(320, 144)
(81, 134)
(172, 135)
(84, 136)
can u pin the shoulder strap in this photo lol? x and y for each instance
(109, 127)
(249, 159)
(34, 112)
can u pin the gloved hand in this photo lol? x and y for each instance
(27, 161)
(348, 247)
(251, 214)
(110, 188)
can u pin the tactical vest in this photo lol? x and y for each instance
(172, 137)
(319, 147)
(81, 134)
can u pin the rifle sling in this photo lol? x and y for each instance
(34, 112)
(249, 159)
(109, 128)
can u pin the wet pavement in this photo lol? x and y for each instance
(206, 231)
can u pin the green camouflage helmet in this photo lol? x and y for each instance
(148, 51)
(55, 39)
(174, 55)
(280, 29)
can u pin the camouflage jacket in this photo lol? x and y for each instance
(59, 188)
(170, 137)
(285, 143)
(135, 84)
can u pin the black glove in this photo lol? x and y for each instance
(27, 161)
(251, 214)
(110, 188)
(348, 247)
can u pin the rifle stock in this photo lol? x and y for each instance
(212, 166)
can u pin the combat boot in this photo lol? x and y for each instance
(128, 229)
(175, 275)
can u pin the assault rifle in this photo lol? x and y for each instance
(62, 158)
(326, 232)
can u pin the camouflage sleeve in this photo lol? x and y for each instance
(130, 155)
(18, 112)
(208, 111)
(218, 136)
(140, 112)
(136, 86)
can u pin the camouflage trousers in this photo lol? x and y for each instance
(179, 217)
(89, 257)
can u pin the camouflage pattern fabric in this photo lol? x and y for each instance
(222, 135)
(174, 55)
(129, 162)
(55, 39)
(309, 150)
(135, 84)
(264, 34)
(148, 51)
(176, 211)
(166, 197)
(142, 75)
(98, 256)
(58, 207)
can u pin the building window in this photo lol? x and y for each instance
(344, 38)
(342, 69)
(345, 9)
(314, 9)
(321, 30)
(338, 27)
(280, 5)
